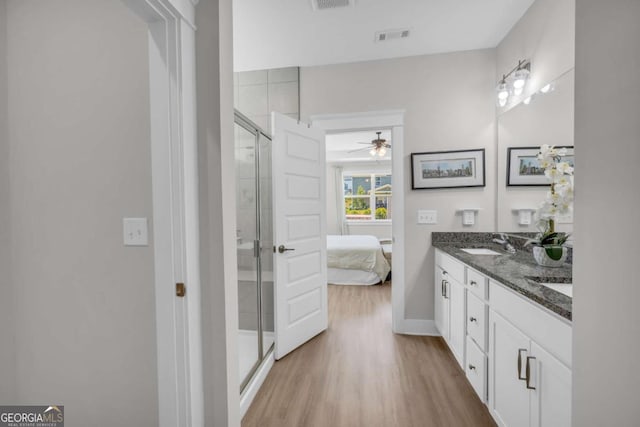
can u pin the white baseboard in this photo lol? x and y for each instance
(252, 388)
(418, 327)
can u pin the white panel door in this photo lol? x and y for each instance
(550, 391)
(508, 393)
(300, 233)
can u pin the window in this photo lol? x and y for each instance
(367, 196)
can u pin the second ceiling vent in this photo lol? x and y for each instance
(330, 4)
(383, 36)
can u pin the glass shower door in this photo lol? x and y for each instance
(266, 243)
(248, 266)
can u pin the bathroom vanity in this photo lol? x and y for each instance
(507, 321)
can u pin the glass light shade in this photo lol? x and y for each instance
(546, 88)
(503, 90)
(373, 152)
(502, 102)
(520, 78)
(528, 100)
(382, 151)
(517, 91)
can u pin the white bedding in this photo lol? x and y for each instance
(362, 253)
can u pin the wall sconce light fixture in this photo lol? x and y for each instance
(513, 82)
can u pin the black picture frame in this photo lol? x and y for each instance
(516, 179)
(434, 179)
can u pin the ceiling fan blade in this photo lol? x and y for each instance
(366, 143)
(359, 149)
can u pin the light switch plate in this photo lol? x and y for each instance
(135, 231)
(427, 217)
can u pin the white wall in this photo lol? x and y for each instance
(7, 351)
(606, 319)
(546, 36)
(214, 72)
(449, 106)
(80, 161)
(381, 230)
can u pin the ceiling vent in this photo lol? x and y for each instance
(384, 36)
(330, 4)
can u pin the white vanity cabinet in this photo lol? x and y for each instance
(450, 304)
(529, 368)
(515, 353)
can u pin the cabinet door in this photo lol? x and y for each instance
(441, 304)
(551, 399)
(457, 320)
(508, 394)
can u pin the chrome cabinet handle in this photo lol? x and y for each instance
(473, 319)
(442, 288)
(446, 295)
(282, 249)
(528, 373)
(520, 363)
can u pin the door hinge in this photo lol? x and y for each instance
(181, 290)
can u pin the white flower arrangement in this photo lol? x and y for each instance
(559, 199)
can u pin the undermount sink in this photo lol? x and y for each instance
(480, 251)
(558, 284)
(563, 288)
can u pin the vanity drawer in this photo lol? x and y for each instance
(476, 369)
(453, 268)
(478, 284)
(477, 320)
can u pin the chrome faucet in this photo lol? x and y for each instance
(503, 240)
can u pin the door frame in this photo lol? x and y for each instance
(171, 25)
(394, 120)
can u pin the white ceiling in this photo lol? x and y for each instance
(339, 145)
(282, 33)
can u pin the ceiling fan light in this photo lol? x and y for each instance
(382, 151)
(546, 88)
(373, 152)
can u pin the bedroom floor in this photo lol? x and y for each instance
(358, 373)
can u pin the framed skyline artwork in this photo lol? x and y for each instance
(447, 169)
(523, 168)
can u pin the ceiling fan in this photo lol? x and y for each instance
(377, 146)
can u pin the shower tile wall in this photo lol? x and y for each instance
(258, 93)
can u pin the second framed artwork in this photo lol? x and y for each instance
(523, 168)
(447, 169)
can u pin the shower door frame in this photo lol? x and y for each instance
(245, 123)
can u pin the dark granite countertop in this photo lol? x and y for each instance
(513, 270)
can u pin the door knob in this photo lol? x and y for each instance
(282, 249)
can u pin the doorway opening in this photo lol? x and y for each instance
(346, 207)
(359, 207)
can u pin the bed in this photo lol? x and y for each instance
(356, 260)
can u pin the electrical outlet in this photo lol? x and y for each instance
(427, 217)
